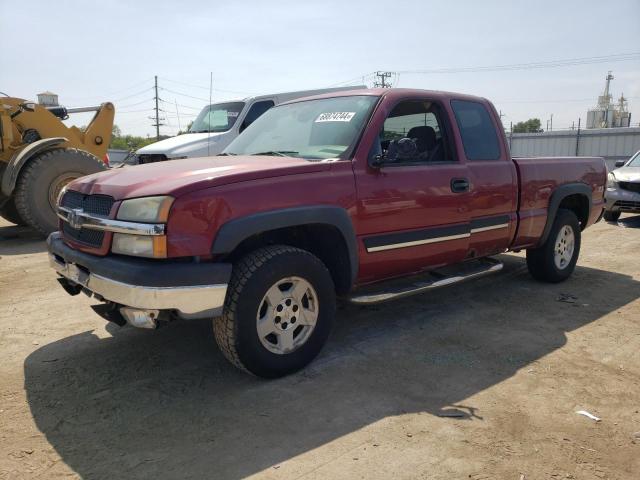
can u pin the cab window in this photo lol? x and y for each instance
(254, 112)
(479, 137)
(414, 132)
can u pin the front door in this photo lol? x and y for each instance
(412, 209)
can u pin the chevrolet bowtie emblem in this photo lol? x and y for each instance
(74, 218)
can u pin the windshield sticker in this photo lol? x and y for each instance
(232, 114)
(335, 117)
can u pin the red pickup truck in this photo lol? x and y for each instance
(368, 195)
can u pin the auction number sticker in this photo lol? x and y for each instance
(335, 117)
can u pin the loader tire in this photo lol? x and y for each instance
(42, 179)
(9, 212)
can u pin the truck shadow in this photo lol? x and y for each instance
(629, 221)
(18, 240)
(166, 404)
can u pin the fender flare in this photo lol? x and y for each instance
(562, 192)
(18, 161)
(232, 233)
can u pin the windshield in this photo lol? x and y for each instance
(312, 129)
(635, 160)
(218, 117)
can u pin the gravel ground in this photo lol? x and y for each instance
(478, 381)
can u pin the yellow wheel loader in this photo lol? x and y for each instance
(39, 155)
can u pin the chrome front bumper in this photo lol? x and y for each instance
(189, 302)
(144, 285)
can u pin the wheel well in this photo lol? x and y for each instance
(578, 204)
(324, 241)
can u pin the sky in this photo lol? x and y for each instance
(89, 52)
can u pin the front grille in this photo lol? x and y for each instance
(87, 236)
(92, 204)
(631, 186)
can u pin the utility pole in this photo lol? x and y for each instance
(552, 122)
(382, 82)
(157, 116)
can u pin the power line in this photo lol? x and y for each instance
(181, 105)
(118, 112)
(132, 95)
(183, 94)
(620, 57)
(354, 79)
(206, 88)
(134, 104)
(115, 92)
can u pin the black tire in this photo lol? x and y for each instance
(611, 216)
(42, 176)
(541, 261)
(236, 330)
(9, 212)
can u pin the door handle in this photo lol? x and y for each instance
(459, 185)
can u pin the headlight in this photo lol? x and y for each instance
(152, 246)
(146, 209)
(611, 181)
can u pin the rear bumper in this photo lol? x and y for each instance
(188, 289)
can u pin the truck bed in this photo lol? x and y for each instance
(538, 177)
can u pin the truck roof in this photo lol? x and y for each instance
(392, 93)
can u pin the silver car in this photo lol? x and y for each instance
(623, 189)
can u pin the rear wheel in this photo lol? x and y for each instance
(9, 212)
(42, 180)
(278, 312)
(611, 216)
(555, 260)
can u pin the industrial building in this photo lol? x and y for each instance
(607, 114)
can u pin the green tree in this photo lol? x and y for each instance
(530, 126)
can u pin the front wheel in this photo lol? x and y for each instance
(555, 260)
(278, 312)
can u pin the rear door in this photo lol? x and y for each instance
(412, 211)
(492, 199)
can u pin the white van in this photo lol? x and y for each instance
(218, 124)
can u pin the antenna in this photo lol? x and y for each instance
(209, 119)
(177, 115)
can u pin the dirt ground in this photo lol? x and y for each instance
(511, 359)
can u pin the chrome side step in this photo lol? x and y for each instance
(404, 287)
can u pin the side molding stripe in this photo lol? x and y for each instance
(414, 238)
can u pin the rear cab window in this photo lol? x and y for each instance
(478, 133)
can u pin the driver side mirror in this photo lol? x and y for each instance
(391, 155)
(620, 163)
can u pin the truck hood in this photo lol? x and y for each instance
(177, 177)
(627, 174)
(180, 145)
